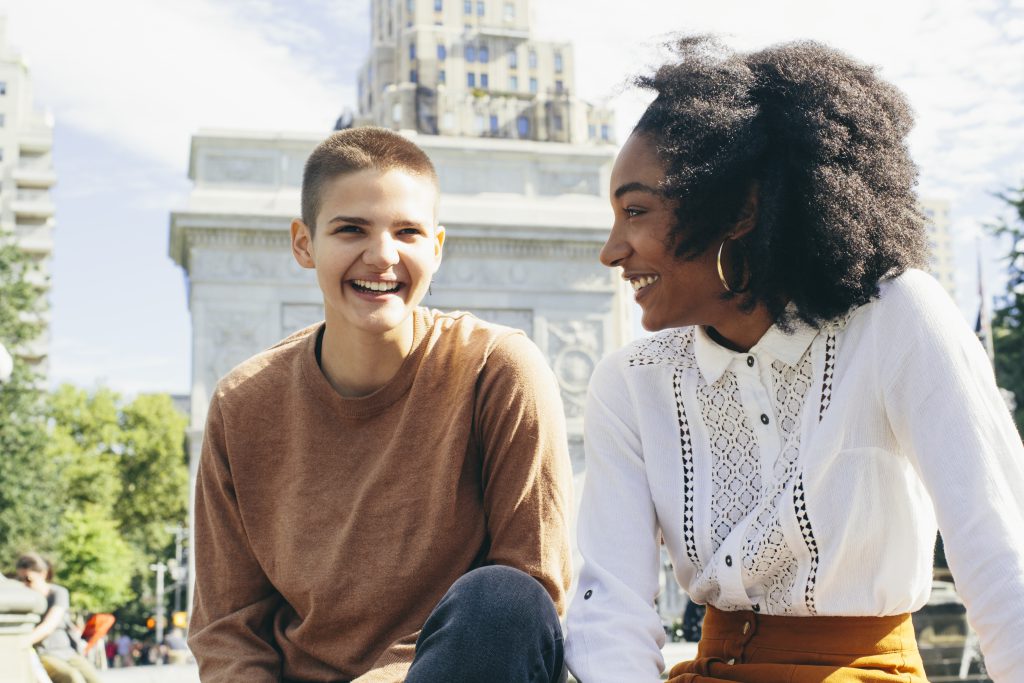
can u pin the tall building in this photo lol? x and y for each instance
(26, 174)
(471, 68)
(940, 243)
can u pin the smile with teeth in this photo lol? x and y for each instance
(642, 281)
(373, 286)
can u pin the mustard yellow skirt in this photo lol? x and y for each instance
(751, 648)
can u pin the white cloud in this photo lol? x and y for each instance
(146, 74)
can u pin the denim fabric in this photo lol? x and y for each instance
(495, 623)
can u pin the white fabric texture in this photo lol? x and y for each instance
(805, 477)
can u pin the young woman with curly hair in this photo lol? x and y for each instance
(813, 406)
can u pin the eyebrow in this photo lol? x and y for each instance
(636, 187)
(356, 220)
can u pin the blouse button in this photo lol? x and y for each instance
(728, 560)
(586, 596)
(750, 361)
(764, 419)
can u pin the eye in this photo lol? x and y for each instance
(410, 231)
(633, 212)
(347, 228)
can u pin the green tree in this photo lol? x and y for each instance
(96, 563)
(1008, 318)
(29, 502)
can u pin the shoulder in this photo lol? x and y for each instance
(912, 297)
(59, 595)
(466, 335)
(265, 372)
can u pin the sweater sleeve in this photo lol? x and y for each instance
(526, 474)
(947, 413)
(614, 633)
(231, 632)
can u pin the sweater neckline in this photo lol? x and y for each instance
(371, 404)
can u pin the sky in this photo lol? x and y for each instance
(129, 81)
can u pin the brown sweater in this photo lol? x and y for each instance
(327, 528)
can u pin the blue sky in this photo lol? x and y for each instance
(129, 81)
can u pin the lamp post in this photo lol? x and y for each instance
(160, 568)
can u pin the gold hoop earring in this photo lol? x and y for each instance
(721, 273)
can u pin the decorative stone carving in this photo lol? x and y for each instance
(520, 275)
(551, 182)
(247, 265)
(244, 169)
(574, 347)
(231, 336)
(295, 317)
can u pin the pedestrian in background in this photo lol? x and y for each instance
(54, 637)
(813, 405)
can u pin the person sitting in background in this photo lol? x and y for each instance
(54, 636)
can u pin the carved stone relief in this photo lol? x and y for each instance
(574, 347)
(294, 317)
(208, 264)
(524, 275)
(237, 168)
(230, 336)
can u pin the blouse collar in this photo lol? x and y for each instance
(713, 359)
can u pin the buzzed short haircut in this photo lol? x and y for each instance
(358, 149)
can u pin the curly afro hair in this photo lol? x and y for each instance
(820, 138)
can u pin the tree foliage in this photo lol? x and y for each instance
(29, 503)
(1008, 318)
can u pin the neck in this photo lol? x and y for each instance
(740, 331)
(358, 364)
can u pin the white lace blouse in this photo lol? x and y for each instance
(805, 477)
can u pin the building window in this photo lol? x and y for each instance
(414, 76)
(523, 126)
(3, 88)
(557, 122)
(559, 87)
(604, 131)
(484, 54)
(1, 120)
(591, 131)
(412, 50)
(441, 76)
(513, 61)
(410, 7)
(442, 52)
(438, 5)
(513, 83)
(478, 124)
(533, 59)
(558, 62)
(510, 11)
(494, 124)
(470, 53)
(467, 7)
(471, 79)
(479, 8)
(483, 81)
(533, 86)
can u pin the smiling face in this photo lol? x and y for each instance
(375, 248)
(672, 292)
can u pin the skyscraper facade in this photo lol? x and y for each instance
(26, 175)
(471, 68)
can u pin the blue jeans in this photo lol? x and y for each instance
(495, 623)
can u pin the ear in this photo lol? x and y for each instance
(302, 244)
(439, 235)
(747, 219)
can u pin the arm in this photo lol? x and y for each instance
(527, 477)
(234, 603)
(946, 412)
(614, 631)
(52, 619)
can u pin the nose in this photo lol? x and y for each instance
(382, 252)
(615, 248)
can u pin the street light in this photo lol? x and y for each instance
(159, 568)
